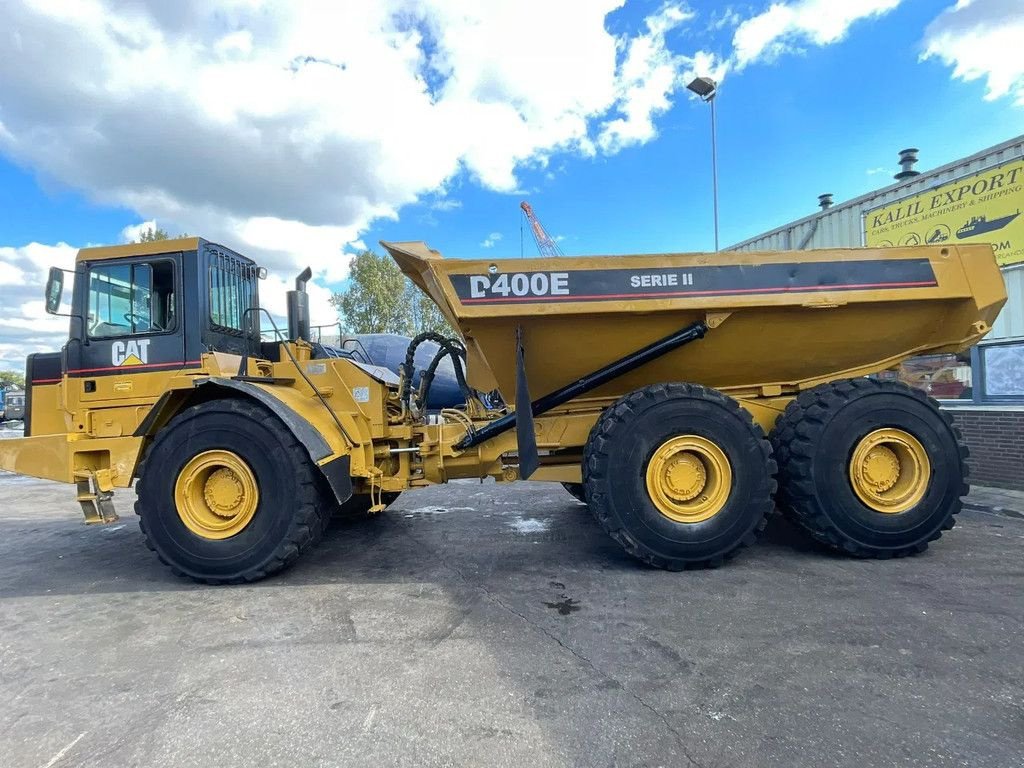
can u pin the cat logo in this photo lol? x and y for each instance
(132, 352)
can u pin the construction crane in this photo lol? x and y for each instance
(545, 243)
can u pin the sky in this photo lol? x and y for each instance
(301, 133)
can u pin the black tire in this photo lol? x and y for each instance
(358, 505)
(620, 447)
(576, 490)
(288, 517)
(814, 441)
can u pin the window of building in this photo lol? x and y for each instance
(130, 299)
(944, 377)
(992, 372)
(1003, 367)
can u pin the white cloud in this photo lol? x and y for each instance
(726, 17)
(445, 204)
(651, 73)
(133, 232)
(981, 39)
(784, 26)
(284, 129)
(24, 325)
(491, 239)
(875, 171)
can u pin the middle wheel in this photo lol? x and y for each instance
(680, 475)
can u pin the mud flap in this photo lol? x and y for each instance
(526, 436)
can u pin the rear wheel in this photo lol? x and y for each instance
(871, 468)
(227, 494)
(679, 475)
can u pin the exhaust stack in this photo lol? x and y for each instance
(298, 307)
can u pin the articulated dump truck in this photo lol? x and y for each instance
(681, 397)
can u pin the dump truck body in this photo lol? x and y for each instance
(649, 385)
(794, 318)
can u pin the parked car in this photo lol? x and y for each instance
(14, 405)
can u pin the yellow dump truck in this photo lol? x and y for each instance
(680, 396)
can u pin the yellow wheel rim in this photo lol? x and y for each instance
(689, 479)
(216, 494)
(890, 470)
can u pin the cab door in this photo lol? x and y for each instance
(131, 338)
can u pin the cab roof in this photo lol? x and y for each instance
(138, 249)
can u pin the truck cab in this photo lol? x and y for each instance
(146, 309)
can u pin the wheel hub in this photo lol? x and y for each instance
(689, 478)
(685, 476)
(223, 492)
(881, 468)
(216, 494)
(890, 470)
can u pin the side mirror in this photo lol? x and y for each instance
(54, 290)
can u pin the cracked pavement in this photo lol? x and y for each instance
(497, 625)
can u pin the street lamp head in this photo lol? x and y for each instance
(704, 87)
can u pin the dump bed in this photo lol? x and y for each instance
(786, 319)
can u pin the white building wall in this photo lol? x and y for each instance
(1010, 322)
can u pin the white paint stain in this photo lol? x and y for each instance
(529, 525)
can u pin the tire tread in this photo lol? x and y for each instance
(798, 432)
(595, 462)
(311, 515)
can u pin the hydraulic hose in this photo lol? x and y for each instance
(408, 368)
(458, 359)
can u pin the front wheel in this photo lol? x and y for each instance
(227, 494)
(680, 475)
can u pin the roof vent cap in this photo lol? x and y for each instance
(908, 157)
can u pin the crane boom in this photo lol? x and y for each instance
(545, 243)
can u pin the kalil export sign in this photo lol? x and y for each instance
(986, 207)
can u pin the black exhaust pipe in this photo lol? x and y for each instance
(298, 308)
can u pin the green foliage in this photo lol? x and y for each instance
(12, 380)
(380, 299)
(152, 234)
(425, 314)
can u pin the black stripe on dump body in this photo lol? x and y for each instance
(668, 282)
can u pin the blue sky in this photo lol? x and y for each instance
(422, 131)
(825, 120)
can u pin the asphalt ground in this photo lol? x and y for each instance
(496, 625)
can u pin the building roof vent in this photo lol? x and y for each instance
(825, 201)
(908, 157)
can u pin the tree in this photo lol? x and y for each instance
(154, 233)
(425, 314)
(12, 380)
(380, 299)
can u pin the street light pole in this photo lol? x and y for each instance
(714, 166)
(707, 89)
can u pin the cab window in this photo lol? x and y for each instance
(232, 292)
(131, 299)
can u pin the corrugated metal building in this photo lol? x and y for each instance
(986, 391)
